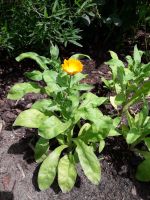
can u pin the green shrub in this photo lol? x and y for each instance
(40, 23)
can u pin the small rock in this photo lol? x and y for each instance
(133, 191)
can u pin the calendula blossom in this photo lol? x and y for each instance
(72, 66)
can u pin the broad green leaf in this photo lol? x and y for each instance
(33, 56)
(120, 99)
(89, 113)
(130, 62)
(48, 168)
(129, 75)
(82, 87)
(30, 118)
(147, 142)
(113, 55)
(45, 105)
(113, 133)
(97, 131)
(101, 146)
(79, 56)
(50, 77)
(89, 162)
(76, 78)
(132, 135)
(41, 149)
(20, 89)
(116, 121)
(52, 127)
(54, 51)
(137, 54)
(66, 173)
(91, 100)
(142, 173)
(34, 75)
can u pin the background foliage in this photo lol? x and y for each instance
(35, 24)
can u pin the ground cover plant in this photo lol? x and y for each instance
(70, 114)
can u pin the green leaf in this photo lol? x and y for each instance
(101, 146)
(84, 128)
(30, 118)
(140, 118)
(120, 99)
(89, 113)
(130, 120)
(137, 54)
(98, 131)
(132, 135)
(142, 173)
(48, 168)
(33, 56)
(113, 133)
(50, 77)
(91, 100)
(20, 89)
(139, 93)
(113, 55)
(45, 105)
(52, 127)
(54, 51)
(41, 149)
(147, 142)
(66, 173)
(89, 162)
(79, 56)
(106, 82)
(34, 75)
(76, 78)
(82, 87)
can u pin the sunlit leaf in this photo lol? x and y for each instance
(89, 162)
(48, 168)
(52, 127)
(30, 118)
(20, 89)
(66, 173)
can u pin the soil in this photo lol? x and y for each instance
(18, 170)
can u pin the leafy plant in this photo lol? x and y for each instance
(130, 82)
(60, 117)
(38, 23)
(136, 133)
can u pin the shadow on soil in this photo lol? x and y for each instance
(24, 146)
(122, 166)
(6, 196)
(125, 163)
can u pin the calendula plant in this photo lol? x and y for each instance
(60, 116)
(129, 82)
(137, 132)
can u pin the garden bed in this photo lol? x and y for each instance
(18, 170)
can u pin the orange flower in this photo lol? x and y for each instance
(72, 66)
